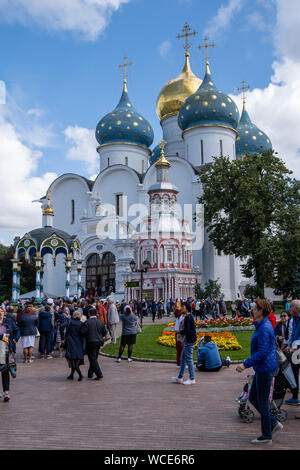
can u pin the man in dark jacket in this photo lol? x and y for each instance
(45, 326)
(94, 331)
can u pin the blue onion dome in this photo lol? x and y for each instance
(124, 125)
(155, 154)
(251, 139)
(208, 107)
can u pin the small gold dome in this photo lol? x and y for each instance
(176, 91)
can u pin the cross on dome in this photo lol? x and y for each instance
(124, 66)
(187, 32)
(206, 46)
(244, 88)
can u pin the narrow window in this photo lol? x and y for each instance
(126, 161)
(221, 148)
(169, 256)
(72, 211)
(202, 154)
(119, 204)
(108, 161)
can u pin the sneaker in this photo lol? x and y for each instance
(30, 361)
(6, 396)
(129, 359)
(261, 440)
(278, 427)
(189, 382)
(178, 367)
(49, 357)
(177, 380)
(118, 360)
(292, 401)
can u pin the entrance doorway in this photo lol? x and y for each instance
(101, 274)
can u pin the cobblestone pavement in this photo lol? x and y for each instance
(135, 406)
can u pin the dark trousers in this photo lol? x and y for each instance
(5, 380)
(202, 367)
(45, 342)
(179, 349)
(92, 350)
(259, 398)
(295, 391)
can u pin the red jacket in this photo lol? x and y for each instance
(272, 319)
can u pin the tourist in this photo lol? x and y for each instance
(208, 359)
(159, 309)
(128, 332)
(144, 308)
(74, 345)
(272, 316)
(264, 362)
(295, 336)
(189, 331)
(61, 323)
(13, 330)
(28, 330)
(95, 333)
(153, 310)
(113, 320)
(6, 342)
(45, 326)
(179, 338)
(233, 309)
(281, 330)
(102, 315)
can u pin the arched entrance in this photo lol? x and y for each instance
(101, 274)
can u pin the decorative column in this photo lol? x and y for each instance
(42, 278)
(79, 283)
(38, 266)
(68, 273)
(15, 263)
(19, 279)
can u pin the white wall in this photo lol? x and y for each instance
(211, 137)
(138, 156)
(172, 134)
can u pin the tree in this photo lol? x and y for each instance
(253, 292)
(251, 210)
(27, 280)
(212, 289)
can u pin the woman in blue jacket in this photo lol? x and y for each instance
(264, 362)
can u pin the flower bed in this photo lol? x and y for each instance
(222, 323)
(225, 340)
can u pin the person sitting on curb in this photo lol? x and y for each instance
(208, 359)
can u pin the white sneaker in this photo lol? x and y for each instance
(129, 359)
(118, 360)
(278, 427)
(176, 380)
(30, 361)
(189, 382)
(228, 358)
(178, 367)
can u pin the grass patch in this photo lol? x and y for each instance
(146, 346)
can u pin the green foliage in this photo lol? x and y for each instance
(253, 291)
(27, 273)
(212, 289)
(252, 211)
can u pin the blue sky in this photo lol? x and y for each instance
(59, 74)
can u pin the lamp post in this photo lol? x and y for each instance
(146, 265)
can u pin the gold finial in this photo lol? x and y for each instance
(48, 210)
(187, 32)
(124, 65)
(244, 88)
(162, 161)
(206, 46)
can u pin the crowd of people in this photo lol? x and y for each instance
(78, 327)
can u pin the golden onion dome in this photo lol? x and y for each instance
(176, 91)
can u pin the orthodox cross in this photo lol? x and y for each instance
(124, 65)
(244, 88)
(206, 46)
(187, 32)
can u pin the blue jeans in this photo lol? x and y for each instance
(259, 398)
(187, 358)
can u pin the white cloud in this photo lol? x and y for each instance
(164, 49)
(83, 146)
(88, 17)
(223, 18)
(275, 109)
(19, 186)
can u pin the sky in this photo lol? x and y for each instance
(59, 76)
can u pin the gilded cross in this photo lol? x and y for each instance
(206, 46)
(125, 65)
(187, 32)
(244, 88)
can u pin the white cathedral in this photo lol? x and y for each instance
(141, 205)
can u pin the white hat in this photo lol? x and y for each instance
(49, 301)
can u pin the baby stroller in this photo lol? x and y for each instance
(283, 381)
